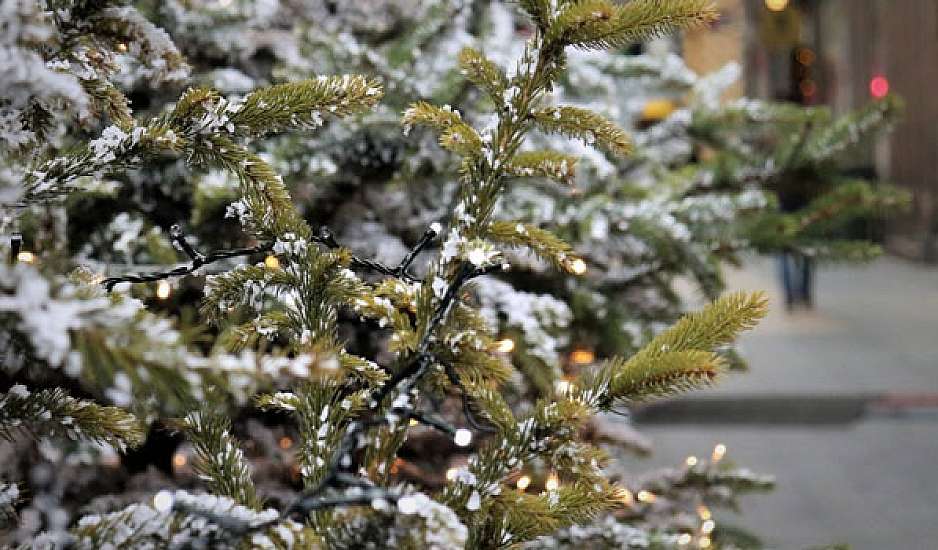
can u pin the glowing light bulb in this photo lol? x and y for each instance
(462, 437)
(413, 422)
(708, 527)
(684, 539)
(691, 461)
(582, 357)
(163, 501)
(523, 482)
(272, 262)
(646, 496)
(552, 483)
(703, 512)
(776, 5)
(451, 474)
(879, 86)
(26, 257)
(505, 345)
(179, 460)
(163, 290)
(718, 452)
(577, 266)
(285, 442)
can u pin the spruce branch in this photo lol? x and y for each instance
(585, 125)
(603, 24)
(220, 462)
(52, 411)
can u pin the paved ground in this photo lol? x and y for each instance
(871, 479)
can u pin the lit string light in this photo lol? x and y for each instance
(163, 290)
(718, 452)
(776, 5)
(505, 345)
(523, 482)
(552, 483)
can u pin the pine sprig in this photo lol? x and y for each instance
(219, 460)
(557, 166)
(52, 411)
(541, 242)
(603, 24)
(483, 73)
(455, 134)
(585, 125)
(304, 104)
(681, 357)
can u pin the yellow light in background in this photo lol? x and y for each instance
(691, 461)
(179, 460)
(703, 512)
(776, 5)
(718, 452)
(26, 257)
(163, 290)
(451, 474)
(272, 262)
(413, 422)
(577, 266)
(505, 345)
(658, 109)
(552, 483)
(625, 497)
(708, 527)
(582, 356)
(523, 482)
(285, 442)
(704, 542)
(805, 56)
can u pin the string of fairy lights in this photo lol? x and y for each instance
(312, 499)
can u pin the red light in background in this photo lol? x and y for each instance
(879, 87)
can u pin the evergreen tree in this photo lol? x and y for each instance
(359, 346)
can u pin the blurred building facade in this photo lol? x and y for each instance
(842, 53)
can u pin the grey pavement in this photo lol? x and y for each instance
(870, 480)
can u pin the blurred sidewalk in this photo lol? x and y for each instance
(852, 465)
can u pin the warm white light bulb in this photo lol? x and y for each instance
(163, 290)
(462, 437)
(451, 474)
(578, 266)
(505, 345)
(523, 482)
(691, 461)
(718, 452)
(552, 483)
